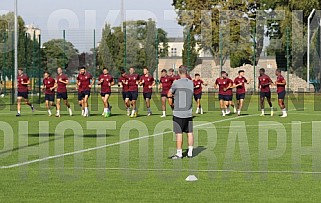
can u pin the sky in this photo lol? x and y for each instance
(80, 17)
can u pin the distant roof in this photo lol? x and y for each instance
(175, 39)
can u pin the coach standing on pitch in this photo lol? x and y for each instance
(182, 90)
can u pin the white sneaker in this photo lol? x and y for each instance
(235, 110)
(262, 114)
(272, 113)
(49, 114)
(149, 113)
(196, 111)
(58, 115)
(284, 115)
(103, 114)
(70, 112)
(163, 116)
(224, 114)
(228, 112)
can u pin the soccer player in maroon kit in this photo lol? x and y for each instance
(198, 92)
(61, 85)
(85, 82)
(229, 91)
(265, 92)
(148, 83)
(123, 81)
(280, 84)
(105, 80)
(49, 89)
(222, 83)
(133, 80)
(23, 82)
(166, 82)
(239, 84)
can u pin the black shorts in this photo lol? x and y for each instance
(225, 97)
(49, 97)
(164, 95)
(85, 93)
(265, 94)
(80, 96)
(104, 94)
(125, 95)
(23, 95)
(240, 96)
(132, 95)
(197, 96)
(147, 95)
(62, 95)
(281, 95)
(182, 125)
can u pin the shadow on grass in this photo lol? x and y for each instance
(96, 135)
(52, 138)
(196, 151)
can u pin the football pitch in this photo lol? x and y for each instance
(244, 158)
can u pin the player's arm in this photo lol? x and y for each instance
(56, 85)
(92, 82)
(112, 82)
(100, 81)
(26, 83)
(283, 82)
(205, 83)
(153, 84)
(160, 85)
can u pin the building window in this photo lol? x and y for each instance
(173, 52)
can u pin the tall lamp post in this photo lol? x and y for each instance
(308, 50)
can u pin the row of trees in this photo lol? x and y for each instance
(137, 44)
(235, 25)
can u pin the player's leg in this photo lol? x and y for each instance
(148, 97)
(190, 137)
(65, 98)
(178, 126)
(163, 105)
(127, 103)
(240, 106)
(134, 104)
(85, 103)
(58, 106)
(281, 97)
(222, 106)
(47, 104)
(19, 98)
(262, 98)
(268, 98)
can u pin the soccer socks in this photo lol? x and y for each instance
(179, 152)
(197, 110)
(49, 112)
(105, 110)
(86, 111)
(164, 113)
(190, 151)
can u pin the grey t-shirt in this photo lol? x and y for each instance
(182, 90)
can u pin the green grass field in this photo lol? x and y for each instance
(238, 159)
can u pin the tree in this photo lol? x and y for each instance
(216, 25)
(59, 54)
(29, 52)
(190, 53)
(140, 43)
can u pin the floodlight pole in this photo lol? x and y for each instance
(15, 46)
(308, 50)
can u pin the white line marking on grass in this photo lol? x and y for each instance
(116, 143)
(187, 170)
(222, 127)
(113, 144)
